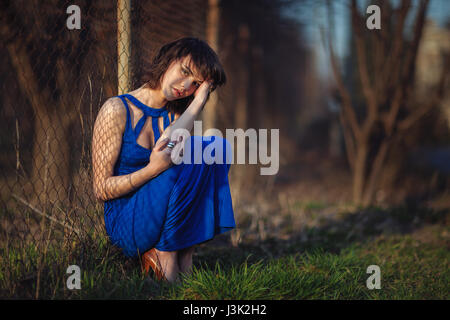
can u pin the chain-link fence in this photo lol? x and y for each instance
(54, 80)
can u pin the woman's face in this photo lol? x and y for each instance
(180, 80)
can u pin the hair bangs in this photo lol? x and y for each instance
(204, 61)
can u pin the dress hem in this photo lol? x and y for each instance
(196, 242)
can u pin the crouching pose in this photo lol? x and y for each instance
(155, 209)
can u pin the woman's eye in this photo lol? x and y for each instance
(185, 72)
(196, 84)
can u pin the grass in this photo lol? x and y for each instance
(410, 270)
(328, 265)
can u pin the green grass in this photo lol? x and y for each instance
(330, 265)
(409, 270)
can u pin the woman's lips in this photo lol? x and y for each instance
(177, 92)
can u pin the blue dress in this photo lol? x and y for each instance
(184, 205)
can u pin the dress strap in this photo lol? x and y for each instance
(128, 121)
(148, 112)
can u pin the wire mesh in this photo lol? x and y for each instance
(54, 81)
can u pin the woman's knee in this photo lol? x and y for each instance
(210, 149)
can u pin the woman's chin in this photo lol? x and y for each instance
(178, 98)
(170, 97)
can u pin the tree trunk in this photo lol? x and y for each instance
(376, 170)
(242, 79)
(51, 170)
(209, 114)
(240, 120)
(359, 172)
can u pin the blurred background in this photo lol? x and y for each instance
(364, 115)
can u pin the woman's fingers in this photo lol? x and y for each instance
(204, 88)
(161, 144)
(169, 149)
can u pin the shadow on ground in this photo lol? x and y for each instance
(333, 235)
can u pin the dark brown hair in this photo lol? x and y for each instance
(202, 57)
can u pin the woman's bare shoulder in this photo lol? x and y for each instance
(113, 106)
(113, 111)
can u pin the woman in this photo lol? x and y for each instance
(154, 209)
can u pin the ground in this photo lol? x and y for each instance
(298, 237)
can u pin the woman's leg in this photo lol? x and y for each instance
(169, 264)
(185, 259)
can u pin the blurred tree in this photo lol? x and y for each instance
(265, 58)
(386, 64)
(209, 114)
(434, 47)
(54, 69)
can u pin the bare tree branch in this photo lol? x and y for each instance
(348, 110)
(371, 99)
(392, 69)
(409, 66)
(38, 97)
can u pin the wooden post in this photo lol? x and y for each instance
(123, 45)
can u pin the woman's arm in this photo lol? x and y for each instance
(106, 144)
(107, 141)
(186, 120)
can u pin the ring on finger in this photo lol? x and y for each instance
(170, 145)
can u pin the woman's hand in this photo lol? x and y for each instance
(203, 91)
(160, 158)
